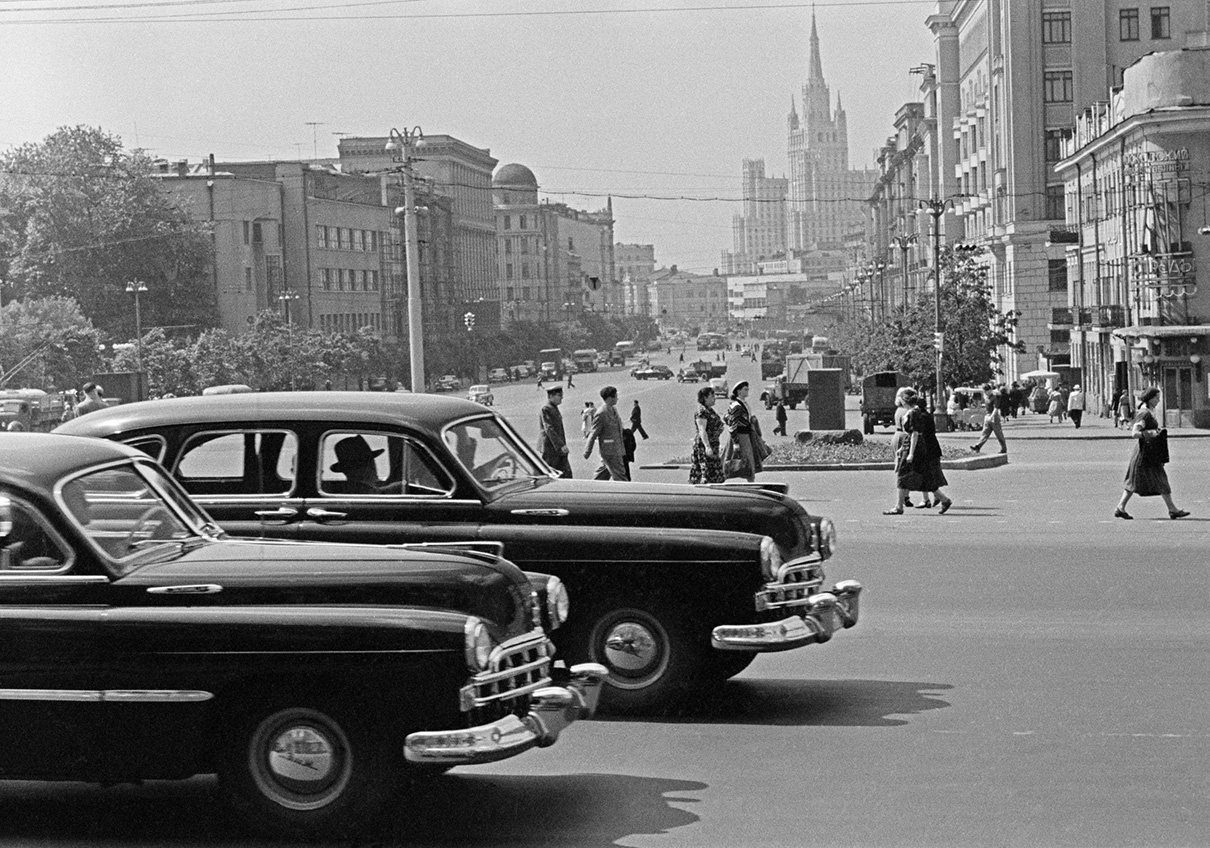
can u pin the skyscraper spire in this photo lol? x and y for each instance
(815, 69)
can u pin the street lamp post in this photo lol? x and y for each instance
(286, 297)
(904, 243)
(936, 208)
(400, 145)
(137, 287)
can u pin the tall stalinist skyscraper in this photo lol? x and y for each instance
(826, 198)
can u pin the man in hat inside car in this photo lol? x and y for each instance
(356, 460)
(552, 441)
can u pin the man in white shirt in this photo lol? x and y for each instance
(1075, 405)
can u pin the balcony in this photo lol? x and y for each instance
(1060, 317)
(1084, 317)
(1109, 316)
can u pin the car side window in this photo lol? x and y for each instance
(30, 545)
(379, 464)
(153, 446)
(252, 462)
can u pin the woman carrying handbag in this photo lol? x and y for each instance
(742, 457)
(1145, 475)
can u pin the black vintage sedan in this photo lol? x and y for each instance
(676, 587)
(138, 642)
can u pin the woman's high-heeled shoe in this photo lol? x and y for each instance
(895, 511)
(945, 506)
(1178, 513)
(1121, 513)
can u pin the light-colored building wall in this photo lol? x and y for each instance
(1139, 308)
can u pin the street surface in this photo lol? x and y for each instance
(1024, 674)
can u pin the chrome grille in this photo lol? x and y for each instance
(797, 583)
(516, 668)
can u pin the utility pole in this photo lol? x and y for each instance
(936, 208)
(400, 145)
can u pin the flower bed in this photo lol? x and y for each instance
(818, 453)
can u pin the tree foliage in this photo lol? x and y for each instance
(84, 217)
(976, 333)
(54, 339)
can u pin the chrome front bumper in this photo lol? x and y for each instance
(816, 621)
(552, 708)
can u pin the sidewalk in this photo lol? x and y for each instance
(1038, 427)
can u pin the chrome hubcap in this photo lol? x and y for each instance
(631, 648)
(302, 755)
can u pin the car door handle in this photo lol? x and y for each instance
(193, 589)
(325, 514)
(551, 512)
(282, 513)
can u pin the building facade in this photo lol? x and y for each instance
(553, 263)
(1009, 80)
(759, 231)
(1135, 174)
(825, 195)
(680, 300)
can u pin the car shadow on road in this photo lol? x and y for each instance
(816, 703)
(461, 808)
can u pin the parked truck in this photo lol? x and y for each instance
(790, 386)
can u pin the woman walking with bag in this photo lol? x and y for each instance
(924, 454)
(906, 478)
(741, 458)
(1145, 475)
(707, 464)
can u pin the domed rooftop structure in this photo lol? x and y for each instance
(515, 176)
(514, 185)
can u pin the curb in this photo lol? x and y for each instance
(974, 463)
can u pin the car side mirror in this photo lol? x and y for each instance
(6, 519)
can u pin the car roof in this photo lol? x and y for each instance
(422, 410)
(42, 459)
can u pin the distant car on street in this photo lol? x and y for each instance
(481, 394)
(448, 383)
(688, 376)
(498, 375)
(653, 372)
(721, 389)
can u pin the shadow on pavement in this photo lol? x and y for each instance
(459, 808)
(815, 703)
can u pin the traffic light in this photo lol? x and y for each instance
(469, 320)
(938, 340)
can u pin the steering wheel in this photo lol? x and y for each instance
(504, 468)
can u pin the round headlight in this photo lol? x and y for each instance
(478, 644)
(770, 558)
(558, 604)
(827, 538)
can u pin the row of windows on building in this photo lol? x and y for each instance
(347, 238)
(349, 322)
(348, 279)
(1056, 26)
(529, 244)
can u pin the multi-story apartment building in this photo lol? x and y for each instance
(759, 231)
(552, 262)
(634, 260)
(1008, 81)
(825, 195)
(462, 173)
(324, 247)
(676, 298)
(1136, 175)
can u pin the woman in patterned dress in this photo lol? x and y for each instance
(1145, 475)
(707, 464)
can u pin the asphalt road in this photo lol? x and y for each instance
(1024, 674)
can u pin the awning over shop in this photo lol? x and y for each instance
(1166, 331)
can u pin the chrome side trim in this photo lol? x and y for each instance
(127, 696)
(195, 589)
(30, 579)
(556, 513)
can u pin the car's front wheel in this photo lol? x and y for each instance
(654, 662)
(298, 771)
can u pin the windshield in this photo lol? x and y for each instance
(491, 453)
(125, 515)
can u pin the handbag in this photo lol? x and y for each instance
(759, 447)
(1156, 448)
(734, 464)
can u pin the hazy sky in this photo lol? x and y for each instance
(642, 97)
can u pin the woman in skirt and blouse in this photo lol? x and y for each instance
(707, 464)
(740, 426)
(1145, 475)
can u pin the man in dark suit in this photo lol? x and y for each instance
(552, 442)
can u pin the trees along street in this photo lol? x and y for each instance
(1025, 672)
